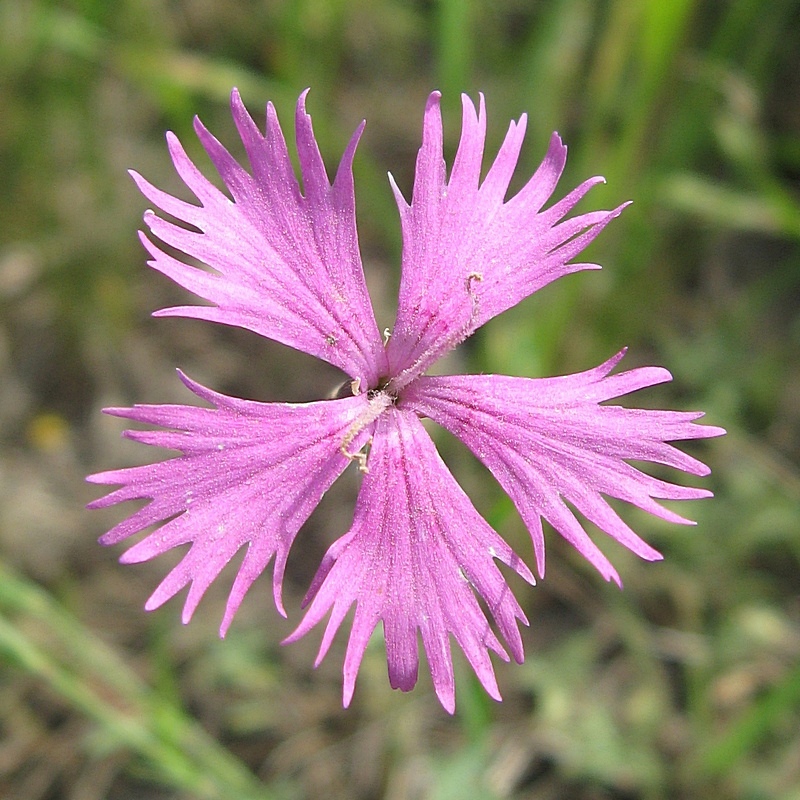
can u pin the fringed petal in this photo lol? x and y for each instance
(548, 441)
(249, 474)
(468, 254)
(286, 262)
(417, 559)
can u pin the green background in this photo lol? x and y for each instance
(685, 685)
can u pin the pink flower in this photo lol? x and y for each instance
(285, 263)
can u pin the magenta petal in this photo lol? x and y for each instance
(286, 263)
(548, 441)
(415, 559)
(467, 254)
(249, 474)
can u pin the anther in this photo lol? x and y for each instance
(360, 456)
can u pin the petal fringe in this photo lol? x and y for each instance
(286, 262)
(468, 254)
(417, 559)
(249, 474)
(548, 441)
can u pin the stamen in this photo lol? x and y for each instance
(379, 401)
(360, 456)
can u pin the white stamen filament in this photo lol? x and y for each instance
(378, 403)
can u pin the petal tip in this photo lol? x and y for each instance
(152, 604)
(434, 98)
(301, 101)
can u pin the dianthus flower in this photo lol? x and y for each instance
(285, 264)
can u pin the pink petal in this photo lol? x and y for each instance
(415, 559)
(286, 263)
(249, 474)
(467, 254)
(548, 441)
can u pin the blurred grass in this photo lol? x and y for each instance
(94, 680)
(685, 685)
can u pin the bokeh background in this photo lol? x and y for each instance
(685, 685)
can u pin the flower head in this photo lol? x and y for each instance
(284, 262)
